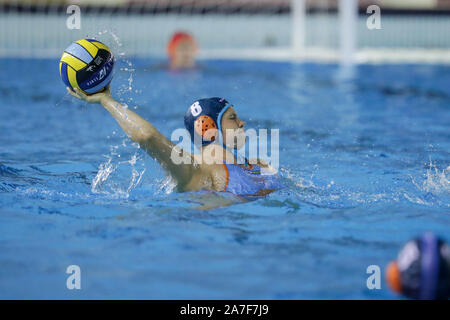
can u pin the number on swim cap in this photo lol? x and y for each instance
(196, 109)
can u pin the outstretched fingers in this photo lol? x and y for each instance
(81, 94)
(92, 98)
(76, 93)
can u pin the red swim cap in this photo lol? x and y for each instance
(177, 37)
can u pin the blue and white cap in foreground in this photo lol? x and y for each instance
(203, 119)
(422, 269)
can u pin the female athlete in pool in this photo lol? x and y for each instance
(216, 167)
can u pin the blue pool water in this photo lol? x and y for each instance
(365, 157)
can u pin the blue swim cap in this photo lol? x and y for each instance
(422, 269)
(203, 118)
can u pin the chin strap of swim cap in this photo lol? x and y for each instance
(219, 123)
(234, 150)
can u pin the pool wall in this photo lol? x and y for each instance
(268, 35)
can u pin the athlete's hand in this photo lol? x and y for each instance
(90, 98)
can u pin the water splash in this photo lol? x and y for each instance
(436, 181)
(105, 170)
(326, 193)
(124, 65)
(136, 176)
(168, 185)
(106, 183)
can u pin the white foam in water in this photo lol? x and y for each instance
(436, 181)
(136, 176)
(119, 186)
(167, 185)
(116, 187)
(432, 191)
(105, 169)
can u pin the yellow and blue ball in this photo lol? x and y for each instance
(87, 64)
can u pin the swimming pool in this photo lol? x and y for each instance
(365, 158)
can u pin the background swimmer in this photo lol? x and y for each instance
(182, 50)
(216, 167)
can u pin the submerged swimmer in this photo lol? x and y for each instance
(216, 124)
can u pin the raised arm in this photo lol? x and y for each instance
(144, 133)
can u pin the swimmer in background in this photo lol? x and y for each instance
(215, 123)
(182, 50)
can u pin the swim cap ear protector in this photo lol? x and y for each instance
(422, 269)
(203, 119)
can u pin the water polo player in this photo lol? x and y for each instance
(209, 121)
(182, 50)
(422, 269)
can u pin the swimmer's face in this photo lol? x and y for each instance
(184, 54)
(233, 132)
